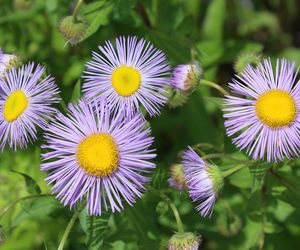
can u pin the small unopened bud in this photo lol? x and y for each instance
(72, 31)
(162, 207)
(177, 99)
(246, 58)
(184, 241)
(185, 77)
(8, 61)
(177, 180)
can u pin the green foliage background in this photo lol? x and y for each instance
(258, 206)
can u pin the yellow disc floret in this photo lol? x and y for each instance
(126, 80)
(15, 105)
(276, 108)
(98, 154)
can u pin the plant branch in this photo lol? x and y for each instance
(213, 85)
(76, 9)
(68, 229)
(172, 206)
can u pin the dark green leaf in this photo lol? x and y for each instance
(31, 186)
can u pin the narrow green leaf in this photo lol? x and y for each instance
(214, 20)
(96, 16)
(271, 228)
(31, 186)
(76, 94)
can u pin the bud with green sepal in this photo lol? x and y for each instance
(184, 241)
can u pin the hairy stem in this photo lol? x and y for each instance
(76, 9)
(214, 85)
(68, 229)
(172, 206)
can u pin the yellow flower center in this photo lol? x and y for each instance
(15, 105)
(126, 80)
(276, 108)
(98, 154)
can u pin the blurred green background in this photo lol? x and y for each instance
(255, 209)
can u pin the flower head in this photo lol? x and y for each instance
(185, 77)
(97, 155)
(72, 31)
(203, 181)
(130, 74)
(184, 241)
(7, 61)
(177, 180)
(25, 103)
(266, 117)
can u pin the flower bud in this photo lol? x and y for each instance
(185, 77)
(72, 31)
(8, 61)
(184, 241)
(246, 58)
(177, 180)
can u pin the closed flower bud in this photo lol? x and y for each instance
(72, 31)
(185, 77)
(177, 180)
(184, 241)
(8, 61)
(246, 58)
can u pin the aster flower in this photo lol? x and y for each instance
(97, 155)
(265, 120)
(177, 180)
(130, 74)
(7, 61)
(203, 181)
(25, 104)
(184, 241)
(185, 77)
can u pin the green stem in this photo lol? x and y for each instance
(68, 229)
(210, 156)
(75, 12)
(10, 206)
(214, 85)
(172, 206)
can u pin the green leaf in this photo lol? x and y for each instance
(31, 186)
(160, 176)
(76, 94)
(241, 178)
(271, 228)
(40, 208)
(94, 227)
(214, 20)
(97, 14)
(258, 172)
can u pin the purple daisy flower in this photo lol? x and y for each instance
(97, 155)
(203, 181)
(25, 103)
(185, 77)
(130, 74)
(267, 117)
